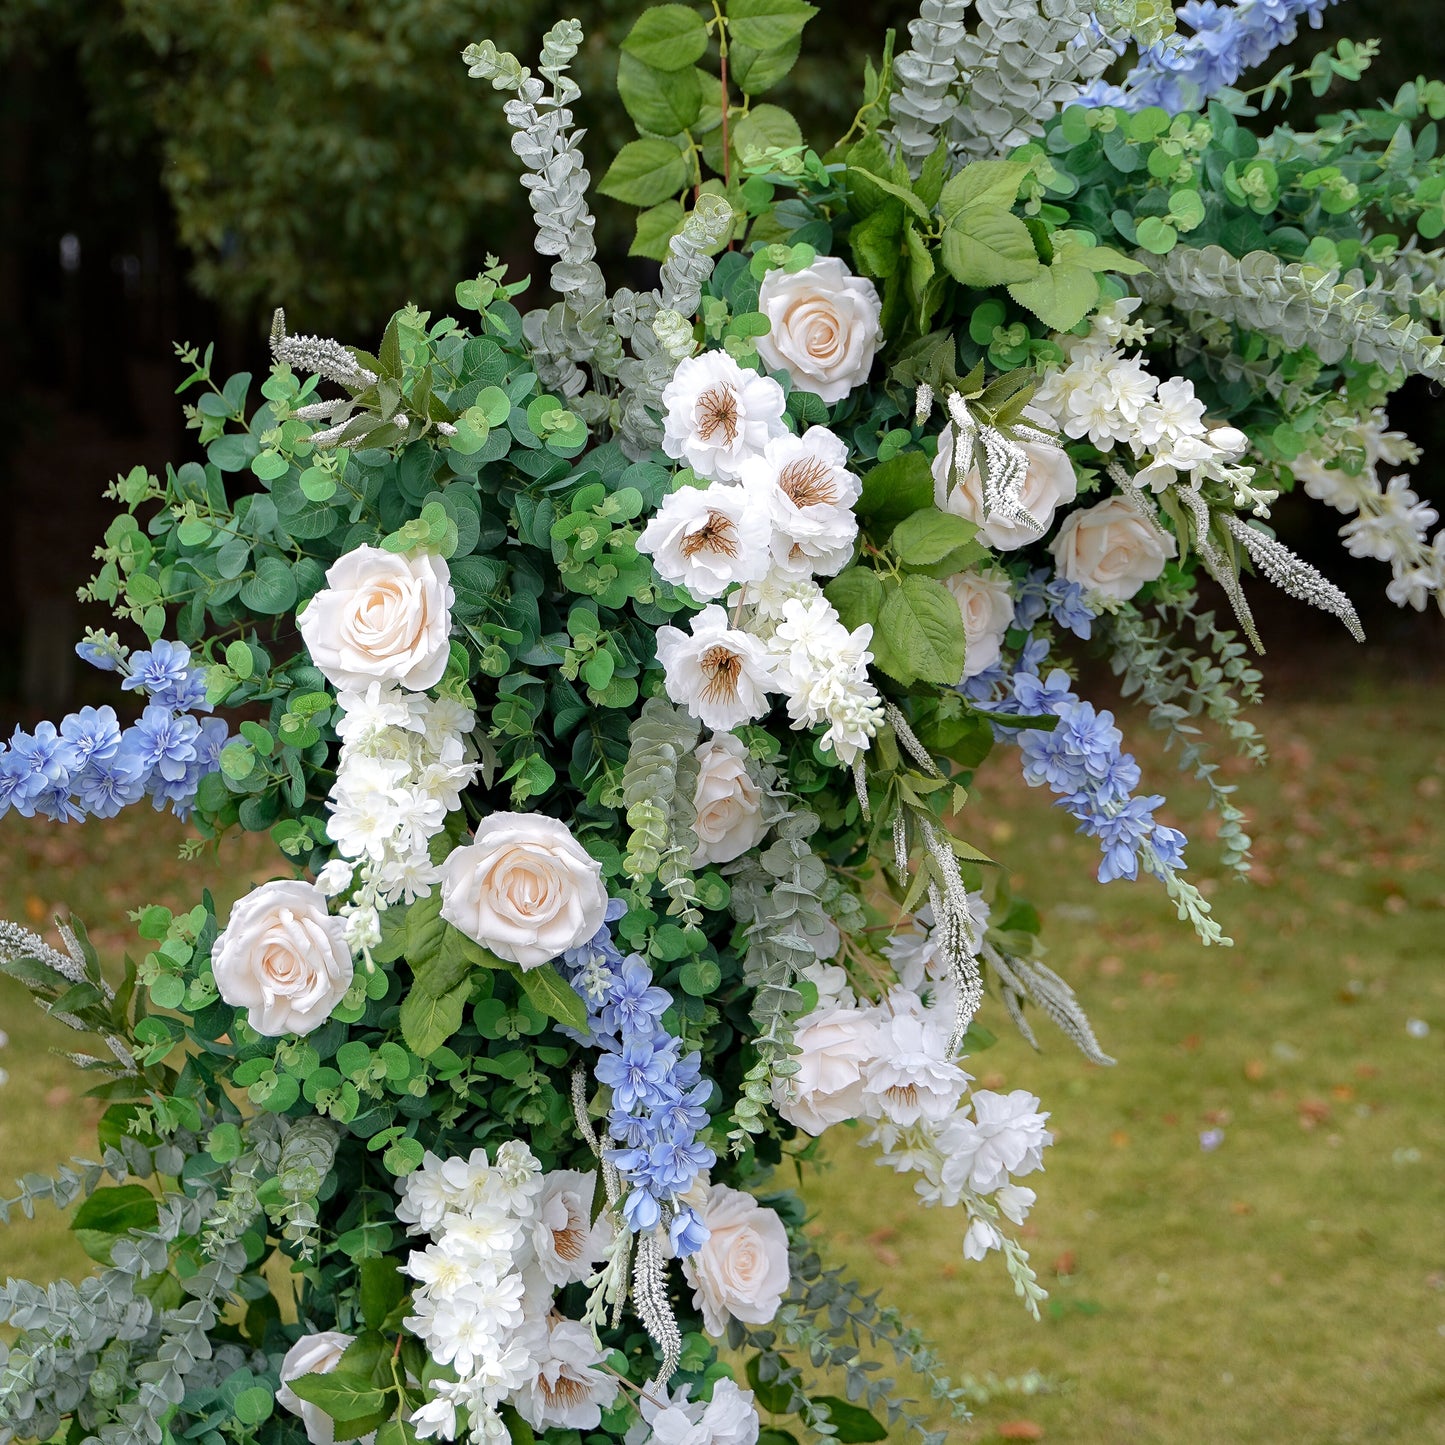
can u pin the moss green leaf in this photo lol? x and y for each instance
(667, 37)
(646, 173)
(665, 102)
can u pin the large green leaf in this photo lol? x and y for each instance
(856, 595)
(109, 1213)
(919, 637)
(767, 24)
(663, 101)
(988, 248)
(646, 173)
(754, 71)
(344, 1397)
(427, 1021)
(929, 535)
(1064, 292)
(764, 126)
(855, 1425)
(553, 995)
(667, 37)
(896, 488)
(983, 185)
(656, 227)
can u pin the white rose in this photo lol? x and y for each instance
(727, 802)
(316, 1354)
(988, 612)
(835, 1046)
(742, 1270)
(1110, 548)
(525, 888)
(825, 327)
(1049, 481)
(283, 958)
(382, 617)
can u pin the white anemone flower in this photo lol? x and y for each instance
(566, 1391)
(810, 494)
(719, 674)
(710, 539)
(717, 415)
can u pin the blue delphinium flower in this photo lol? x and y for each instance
(103, 788)
(1183, 72)
(166, 675)
(659, 1094)
(93, 733)
(1044, 592)
(162, 741)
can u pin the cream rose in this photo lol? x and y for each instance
(1110, 548)
(382, 617)
(988, 611)
(525, 888)
(742, 1270)
(727, 802)
(825, 327)
(835, 1046)
(283, 958)
(1050, 481)
(316, 1354)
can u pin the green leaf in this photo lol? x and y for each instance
(427, 1022)
(240, 660)
(382, 1289)
(988, 248)
(111, 1212)
(854, 1424)
(1157, 235)
(929, 535)
(895, 489)
(667, 37)
(754, 71)
(766, 24)
(1063, 293)
(983, 185)
(646, 173)
(272, 590)
(856, 595)
(764, 126)
(665, 102)
(553, 995)
(892, 188)
(655, 229)
(919, 637)
(342, 1396)
(700, 978)
(253, 1406)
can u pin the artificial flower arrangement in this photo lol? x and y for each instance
(644, 648)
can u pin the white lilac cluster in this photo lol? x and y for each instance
(729, 1418)
(777, 512)
(1111, 398)
(504, 1238)
(1388, 521)
(888, 1063)
(405, 760)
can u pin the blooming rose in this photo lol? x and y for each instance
(835, 1045)
(729, 1418)
(316, 1354)
(525, 888)
(382, 617)
(988, 611)
(1110, 548)
(283, 958)
(727, 802)
(825, 327)
(742, 1270)
(1049, 481)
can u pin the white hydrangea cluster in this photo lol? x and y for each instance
(1111, 398)
(1389, 522)
(778, 513)
(504, 1237)
(405, 760)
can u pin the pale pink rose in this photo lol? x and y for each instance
(1110, 548)
(525, 888)
(987, 606)
(317, 1354)
(382, 617)
(825, 327)
(283, 958)
(742, 1270)
(727, 802)
(835, 1046)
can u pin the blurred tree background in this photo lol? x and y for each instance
(175, 169)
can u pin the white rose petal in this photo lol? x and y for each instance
(810, 493)
(717, 415)
(986, 603)
(525, 888)
(825, 327)
(283, 958)
(1049, 482)
(317, 1354)
(742, 1270)
(1110, 548)
(834, 1047)
(382, 617)
(727, 803)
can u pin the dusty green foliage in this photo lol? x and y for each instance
(658, 782)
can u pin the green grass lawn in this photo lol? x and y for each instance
(1287, 1285)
